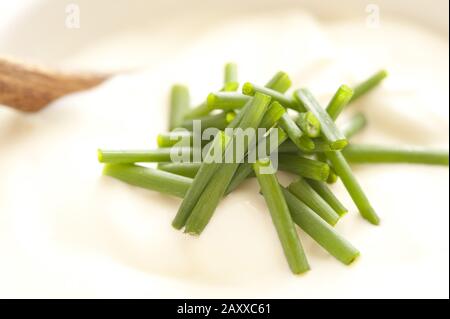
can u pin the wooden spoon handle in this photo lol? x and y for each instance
(30, 88)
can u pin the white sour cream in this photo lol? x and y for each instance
(67, 231)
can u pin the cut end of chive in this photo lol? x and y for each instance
(338, 145)
(354, 258)
(346, 89)
(263, 162)
(370, 215)
(190, 232)
(383, 74)
(160, 140)
(100, 156)
(106, 169)
(313, 125)
(230, 116)
(332, 178)
(211, 100)
(325, 172)
(248, 89)
(177, 225)
(342, 213)
(307, 143)
(302, 271)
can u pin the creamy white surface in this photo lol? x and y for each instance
(66, 231)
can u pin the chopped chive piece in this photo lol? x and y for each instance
(281, 218)
(329, 130)
(226, 101)
(296, 135)
(302, 141)
(246, 168)
(309, 124)
(304, 167)
(209, 199)
(288, 147)
(362, 153)
(171, 138)
(149, 178)
(219, 121)
(183, 169)
(356, 124)
(141, 156)
(205, 173)
(280, 82)
(308, 195)
(198, 111)
(214, 191)
(339, 101)
(230, 87)
(231, 77)
(239, 115)
(179, 105)
(344, 171)
(273, 115)
(332, 178)
(319, 230)
(368, 84)
(250, 89)
(325, 192)
(321, 146)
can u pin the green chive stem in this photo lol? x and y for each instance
(308, 195)
(309, 124)
(149, 178)
(333, 177)
(141, 156)
(319, 230)
(302, 141)
(325, 192)
(250, 89)
(169, 139)
(280, 82)
(273, 115)
(179, 105)
(355, 125)
(368, 85)
(230, 77)
(246, 168)
(329, 130)
(339, 101)
(303, 166)
(215, 190)
(196, 112)
(227, 101)
(344, 171)
(219, 121)
(183, 169)
(206, 171)
(281, 218)
(363, 153)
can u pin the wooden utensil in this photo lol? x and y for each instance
(30, 88)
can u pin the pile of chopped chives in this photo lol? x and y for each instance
(309, 144)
